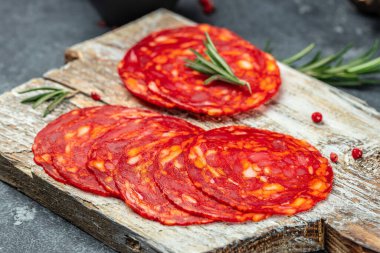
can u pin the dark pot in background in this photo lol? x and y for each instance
(368, 6)
(119, 12)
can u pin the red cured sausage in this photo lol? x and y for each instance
(45, 141)
(107, 150)
(159, 63)
(171, 171)
(134, 175)
(258, 170)
(135, 81)
(173, 180)
(70, 137)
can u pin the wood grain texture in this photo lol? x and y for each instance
(348, 221)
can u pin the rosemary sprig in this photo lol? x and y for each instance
(217, 68)
(268, 46)
(337, 71)
(54, 95)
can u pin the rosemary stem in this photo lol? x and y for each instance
(299, 55)
(217, 68)
(336, 70)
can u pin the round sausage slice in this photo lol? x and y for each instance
(107, 150)
(172, 178)
(134, 172)
(157, 65)
(258, 170)
(70, 137)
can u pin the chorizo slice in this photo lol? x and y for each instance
(158, 63)
(258, 170)
(106, 151)
(173, 180)
(134, 174)
(70, 139)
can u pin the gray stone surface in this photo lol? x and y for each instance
(34, 34)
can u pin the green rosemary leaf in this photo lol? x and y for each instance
(370, 81)
(221, 78)
(316, 57)
(34, 98)
(326, 76)
(371, 52)
(352, 82)
(374, 70)
(339, 62)
(55, 95)
(299, 55)
(217, 68)
(214, 55)
(324, 61)
(267, 47)
(343, 83)
(368, 67)
(208, 64)
(228, 80)
(359, 60)
(246, 84)
(346, 75)
(336, 70)
(199, 67)
(38, 88)
(215, 78)
(46, 98)
(58, 99)
(210, 42)
(217, 60)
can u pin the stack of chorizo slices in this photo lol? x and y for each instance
(155, 70)
(170, 171)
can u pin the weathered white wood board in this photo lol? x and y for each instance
(348, 221)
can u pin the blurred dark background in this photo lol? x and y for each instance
(35, 33)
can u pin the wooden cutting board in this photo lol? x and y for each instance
(348, 221)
